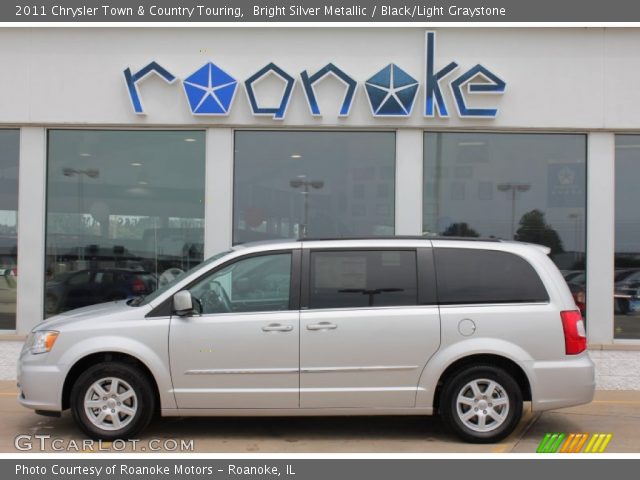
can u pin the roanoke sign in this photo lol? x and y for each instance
(390, 92)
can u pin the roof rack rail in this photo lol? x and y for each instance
(399, 237)
(467, 239)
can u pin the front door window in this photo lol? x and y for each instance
(255, 284)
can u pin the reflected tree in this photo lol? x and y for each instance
(460, 229)
(534, 229)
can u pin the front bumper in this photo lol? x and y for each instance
(39, 384)
(563, 383)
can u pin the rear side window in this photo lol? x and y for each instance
(467, 276)
(358, 278)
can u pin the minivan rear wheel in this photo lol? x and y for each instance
(482, 404)
(112, 400)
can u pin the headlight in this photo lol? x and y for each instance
(42, 341)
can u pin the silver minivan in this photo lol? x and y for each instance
(468, 329)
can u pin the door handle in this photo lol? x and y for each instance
(276, 327)
(322, 326)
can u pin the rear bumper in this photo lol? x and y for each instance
(562, 383)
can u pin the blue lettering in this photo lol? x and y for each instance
(433, 96)
(391, 92)
(278, 112)
(493, 84)
(309, 81)
(132, 80)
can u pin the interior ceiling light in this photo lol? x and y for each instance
(624, 147)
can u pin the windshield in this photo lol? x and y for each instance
(152, 296)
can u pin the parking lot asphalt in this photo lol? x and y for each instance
(615, 412)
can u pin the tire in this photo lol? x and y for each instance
(134, 408)
(503, 406)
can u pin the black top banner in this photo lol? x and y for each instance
(364, 11)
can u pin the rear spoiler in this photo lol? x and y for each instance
(543, 248)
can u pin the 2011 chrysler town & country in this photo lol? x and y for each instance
(412, 326)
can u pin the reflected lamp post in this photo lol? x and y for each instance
(513, 188)
(90, 173)
(301, 182)
(576, 216)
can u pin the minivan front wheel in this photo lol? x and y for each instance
(482, 404)
(112, 400)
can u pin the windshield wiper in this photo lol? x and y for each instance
(135, 301)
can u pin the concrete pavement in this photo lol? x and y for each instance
(612, 412)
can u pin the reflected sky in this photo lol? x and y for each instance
(334, 183)
(490, 181)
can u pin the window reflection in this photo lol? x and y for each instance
(314, 184)
(526, 187)
(627, 238)
(9, 157)
(125, 213)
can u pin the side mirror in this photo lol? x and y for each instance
(183, 303)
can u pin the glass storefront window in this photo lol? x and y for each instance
(313, 184)
(9, 158)
(527, 187)
(626, 295)
(125, 213)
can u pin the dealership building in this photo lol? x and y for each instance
(128, 155)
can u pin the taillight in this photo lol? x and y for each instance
(575, 336)
(138, 286)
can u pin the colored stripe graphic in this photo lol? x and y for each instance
(598, 443)
(581, 443)
(606, 441)
(543, 443)
(550, 443)
(557, 443)
(574, 442)
(569, 443)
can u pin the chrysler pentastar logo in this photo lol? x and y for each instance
(210, 90)
(391, 92)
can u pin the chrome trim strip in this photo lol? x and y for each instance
(511, 304)
(382, 308)
(229, 371)
(294, 412)
(254, 371)
(378, 368)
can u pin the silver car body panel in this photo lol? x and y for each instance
(375, 361)
(260, 368)
(372, 358)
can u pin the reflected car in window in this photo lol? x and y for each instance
(627, 291)
(576, 281)
(67, 291)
